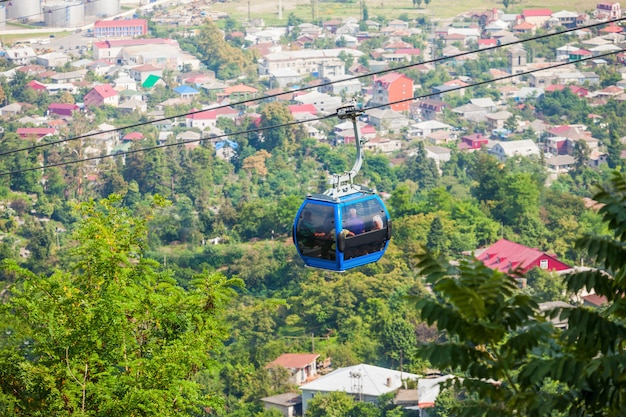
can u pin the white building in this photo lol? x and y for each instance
(505, 150)
(364, 382)
(323, 103)
(305, 61)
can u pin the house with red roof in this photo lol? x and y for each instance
(506, 256)
(612, 28)
(208, 118)
(302, 111)
(473, 142)
(121, 28)
(579, 54)
(302, 367)
(428, 109)
(141, 72)
(537, 17)
(35, 133)
(487, 43)
(392, 88)
(100, 95)
(62, 109)
(36, 85)
(238, 92)
(133, 136)
(524, 27)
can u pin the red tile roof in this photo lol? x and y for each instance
(62, 106)
(303, 108)
(611, 29)
(294, 360)
(389, 78)
(134, 136)
(212, 113)
(146, 67)
(240, 88)
(35, 131)
(116, 23)
(505, 255)
(595, 299)
(537, 12)
(36, 85)
(488, 42)
(105, 90)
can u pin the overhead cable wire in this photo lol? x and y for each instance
(273, 95)
(293, 123)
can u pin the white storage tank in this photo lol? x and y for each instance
(24, 10)
(102, 8)
(66, 14)
(3, 16)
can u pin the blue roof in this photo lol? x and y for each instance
(230, 143)
(185, 89)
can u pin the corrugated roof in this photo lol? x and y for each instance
(360, 379)
(294, 360)
(151, 81)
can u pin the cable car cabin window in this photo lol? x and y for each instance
(316, 231)
(364, 228)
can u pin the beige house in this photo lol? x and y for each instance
(505, 150)
(498, 120)
(53, 59)
(383, 145)
(302, 367)
(304, 61)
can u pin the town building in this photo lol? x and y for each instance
(364, 382)
(302, 367)
(392, 89)
(120, 28)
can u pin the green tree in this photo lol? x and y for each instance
(333, 404)
(614, 149)
(283, 138)
(581, 155)
(491, 330)
(513, 361)
(420, 169)
(589, 356)
(218, 55)
(112, 333)
(399, 339)
(436, 240)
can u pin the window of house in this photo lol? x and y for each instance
(543, 264)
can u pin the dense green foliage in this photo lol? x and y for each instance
(111, 333)
(509, 356)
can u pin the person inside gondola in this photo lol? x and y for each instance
(308, 231)
(354, 223)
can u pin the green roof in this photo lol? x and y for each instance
(150, 81)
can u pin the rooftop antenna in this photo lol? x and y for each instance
(357, 383)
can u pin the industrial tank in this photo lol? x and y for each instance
(24, 10)
(102, 8)
(3, 16)
(67, 14)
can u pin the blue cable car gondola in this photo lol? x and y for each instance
(348, 225)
